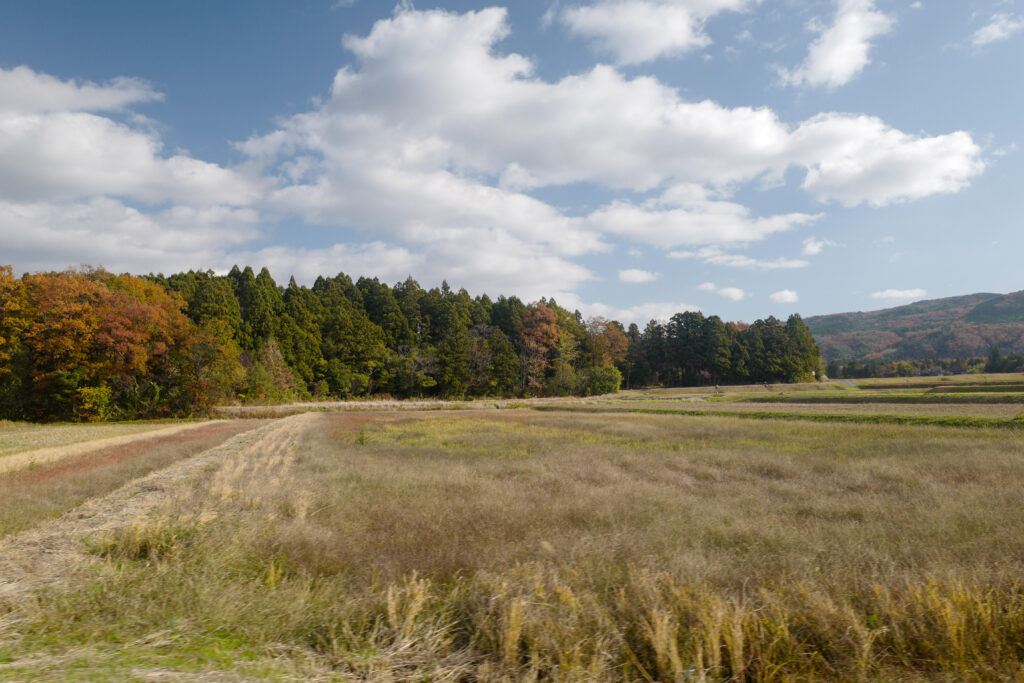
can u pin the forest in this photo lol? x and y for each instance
(91, 345)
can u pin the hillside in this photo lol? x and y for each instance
(954, 327)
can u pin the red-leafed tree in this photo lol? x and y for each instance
(538, 336)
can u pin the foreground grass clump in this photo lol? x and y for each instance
(515, 545)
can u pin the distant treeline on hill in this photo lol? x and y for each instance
(92, 345)
(996, 362)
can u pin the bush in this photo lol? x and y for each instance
(92, 404)
(603, 380)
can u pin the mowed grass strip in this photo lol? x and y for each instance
(17, 437)
(727, 407)
(1016, 422)
(521, 545)
(877, 397)
(30, 496)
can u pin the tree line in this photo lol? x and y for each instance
(88, 344)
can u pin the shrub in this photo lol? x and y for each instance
(92, 404)
(603, 380)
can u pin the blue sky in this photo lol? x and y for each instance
(630, 158)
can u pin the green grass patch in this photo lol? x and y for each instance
(923, 420)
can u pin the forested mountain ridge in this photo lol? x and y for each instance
(93, 345)
(953, 327)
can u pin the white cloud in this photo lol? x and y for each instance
(784, 296)
(636, 275)
(640, 314)
(685, 214)
(428, 93)
(814, 246)
(375, 259)
(999, 27)
(734, 293)
(426, 149)
(859, 159)
(52, 147)
(899, 294)
(717, 257)
(841, 51)
(25, 91)
(106, 232)
(636, 31)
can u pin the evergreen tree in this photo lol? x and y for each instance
(453, 374)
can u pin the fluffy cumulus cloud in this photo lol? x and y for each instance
(636, 275)
(57, 142)
(784, 296)
(105, 232)
(80, 185)
(25, 91)
(859, 159)
(899, 294)
(427, 156)
(842, 49)
(636, 31)
(1000, 27)
(415, 120)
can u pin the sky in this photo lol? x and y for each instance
(628, 158)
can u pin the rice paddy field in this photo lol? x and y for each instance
(662, 535)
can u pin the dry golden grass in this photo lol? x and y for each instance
(1005, 410)
(47, 489)
(17, 437)
(88, 442)
(516, 545)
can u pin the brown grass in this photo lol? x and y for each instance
(515, 545)
(46, 491)
(16, 437)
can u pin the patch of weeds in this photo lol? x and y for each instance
(145, 541)
(362, 439)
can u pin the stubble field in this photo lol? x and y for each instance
(487, 544)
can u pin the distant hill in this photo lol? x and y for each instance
(955, 327)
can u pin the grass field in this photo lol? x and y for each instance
(39, 492)
(17, 437)
(518, 544)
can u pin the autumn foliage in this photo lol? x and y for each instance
(91, 345)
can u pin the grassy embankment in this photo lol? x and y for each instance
(519, 545)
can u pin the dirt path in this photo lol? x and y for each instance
(42, 456)
(47, 554)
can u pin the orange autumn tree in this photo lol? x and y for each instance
(141, 323)
(609, 341)
(13, 357)
(538, 334)
(66, 313)
(99, 346)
